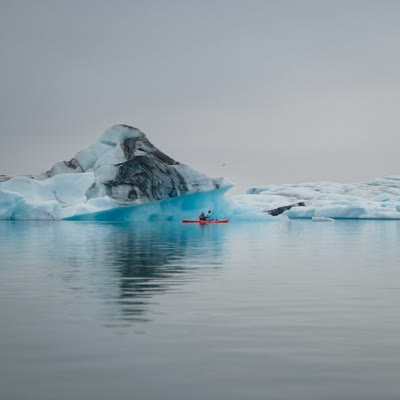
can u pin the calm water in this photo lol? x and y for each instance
(280, 310)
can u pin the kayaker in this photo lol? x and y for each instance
(204, 217)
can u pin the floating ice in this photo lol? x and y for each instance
(322, 219)
(120, 177)
(377, 199)
(124, 177)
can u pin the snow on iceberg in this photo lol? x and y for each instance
(123, 176)
(377, 199)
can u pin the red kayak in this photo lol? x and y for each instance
(207, 221)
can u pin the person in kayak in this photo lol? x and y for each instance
(204, 217)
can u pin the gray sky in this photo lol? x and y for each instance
(280, 91)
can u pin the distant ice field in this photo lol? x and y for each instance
(376, 199)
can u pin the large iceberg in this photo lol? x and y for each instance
(376, 199)
(123, 176)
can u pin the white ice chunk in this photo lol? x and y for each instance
(9, 203)
(118, 133)
(113, 156)
(88, 157)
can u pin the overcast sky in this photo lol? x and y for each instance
(279, 91)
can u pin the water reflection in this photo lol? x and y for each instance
(125, 267)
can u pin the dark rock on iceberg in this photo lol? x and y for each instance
(146, 177)
(281, 210)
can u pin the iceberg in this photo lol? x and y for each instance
(376, 199)
(122, 176)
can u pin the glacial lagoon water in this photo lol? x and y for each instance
(277, 310)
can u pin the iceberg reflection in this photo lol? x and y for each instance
(126, 266)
